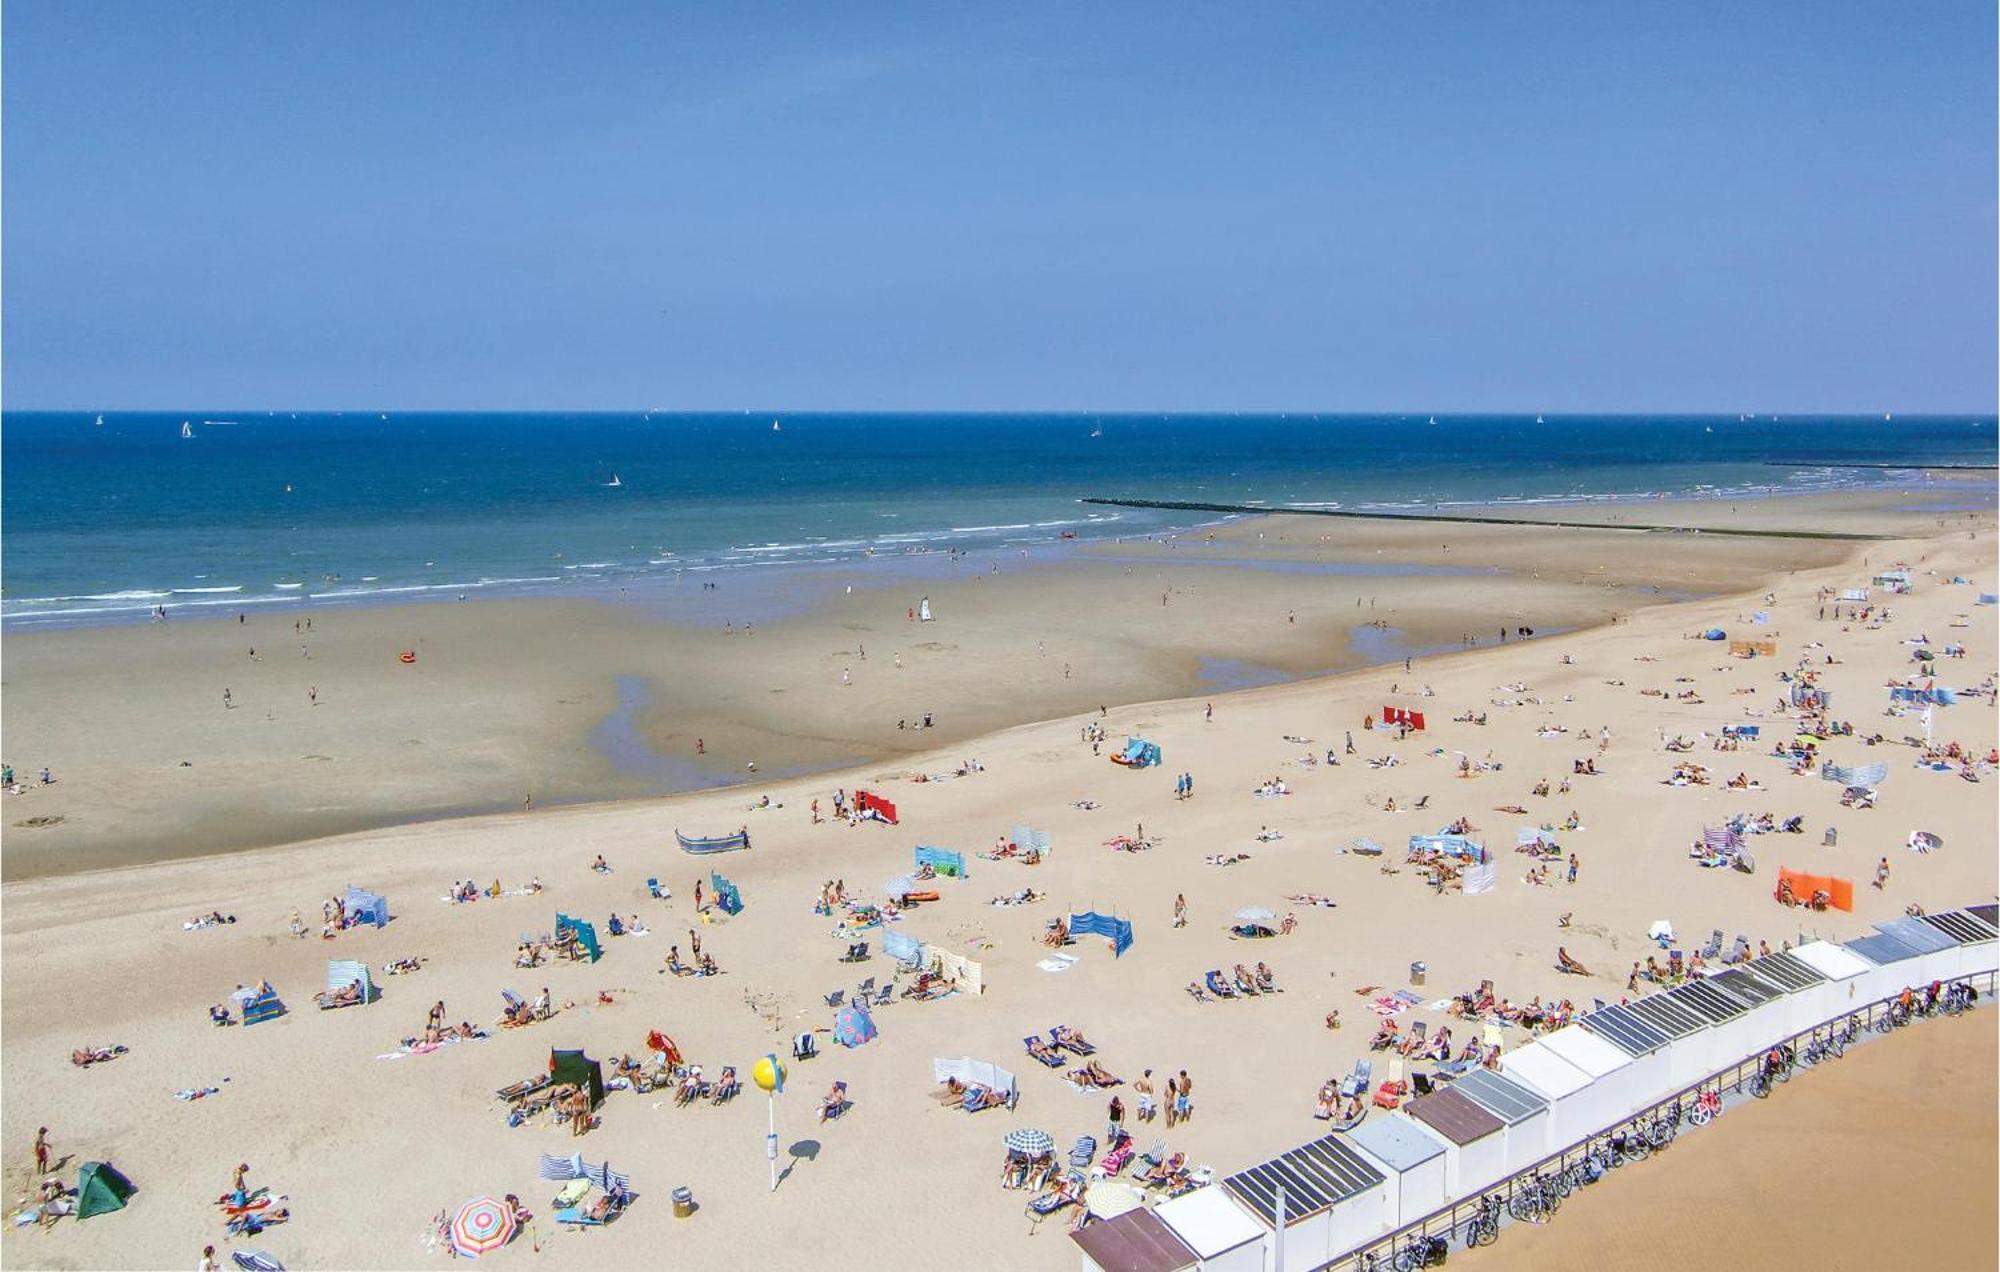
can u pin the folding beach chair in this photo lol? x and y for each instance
(654, 890)
(885, 995)
(1714, 946)
(836, 998)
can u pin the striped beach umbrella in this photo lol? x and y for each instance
(481, 1225)
(1029, 1141)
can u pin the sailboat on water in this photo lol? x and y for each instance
(100, 421)
(187, 429)
(775, 428)
(614, 483)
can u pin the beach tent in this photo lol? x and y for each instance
(1624, 1057)
(578, 1069)
(1413, 1159)
(1475, 1152)
(1138, 753)
(1898, 581)
(259, 1004)
(1091, 923)
(713, 843)
(342, 972)
(1854, 594)
(1524, 1110)
(100, 1189)
(972, 1072)
(903, 947)
(728, 898)
(368, 907)
(1215, 1226)
(1989, 598)
(1572, 1115)
(1840, 892)
(1334, 1199)
(942, 860)
(1026, 837)
(1715, 633)
(869, 803)
(586, 935)
(1133, 1242)
(559, 1170)
(1452, 845)
(958, 969)
(853, 1026)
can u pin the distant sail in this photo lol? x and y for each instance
(100, 421)
(775, 428)
(614, 481)
(187, 429)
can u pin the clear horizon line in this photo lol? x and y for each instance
(988, 412)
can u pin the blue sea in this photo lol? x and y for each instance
(104, 521)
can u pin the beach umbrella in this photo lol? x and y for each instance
(1109, 1198)
(481, 1225)
(853, 1026)
(1254, 914)
(1029, 1141)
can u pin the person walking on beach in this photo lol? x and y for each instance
(1572, 867)
(226, 703)
(1882, 874)
(1115, 1120)
(697, 900)
(1180, 916)
(700, 747)
(312, 696)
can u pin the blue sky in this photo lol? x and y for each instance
(1329, 206)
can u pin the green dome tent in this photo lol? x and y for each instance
(100, 1189)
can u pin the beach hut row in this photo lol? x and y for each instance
(1341, 1192)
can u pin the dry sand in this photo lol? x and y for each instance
(368, 1150)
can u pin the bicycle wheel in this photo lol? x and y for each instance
(1701, 1116)
(1563, 1184)
(1407, 1258)
(1952, 1006)
(1760, 1086)
(1660, 1135)
(1487, 1231)
(1521, 1206)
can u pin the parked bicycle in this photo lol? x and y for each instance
(1707, 1107)
(1421, 1251)
(1959, 997)
(1776, 1067)
(1484, 1227)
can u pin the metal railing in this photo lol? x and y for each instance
(1449, 1220)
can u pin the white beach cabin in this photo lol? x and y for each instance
(1413, 1159)
(1221, 1233)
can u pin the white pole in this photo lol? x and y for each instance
(1278, 1235)
(771, 1139)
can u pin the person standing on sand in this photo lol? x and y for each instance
(1187, 1096)
(697, 904)
(208, 1263)
(1208, 714)
(1180, 916)
(312, 696)
(1114, 1120)
(41, 1152)
(700, 747)
(1882, 874)
(226, 703)
(1572, 867)
(1143, 1088)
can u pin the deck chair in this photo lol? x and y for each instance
(653, 890)
(856, 953)
(804, 1047)
(1081, 1152)
(1425, 802)
(884, 995)
(1739, 951)
(1358, 1080)
(836, 997)
(864, 989)
(1714, 946)
(1413, 1039)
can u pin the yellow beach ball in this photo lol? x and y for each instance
(769, 1074)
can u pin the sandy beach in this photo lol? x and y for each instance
(569, 702)
(368, 1144)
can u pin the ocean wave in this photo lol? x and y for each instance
(593, 565)
(200, 591)
(988, 529)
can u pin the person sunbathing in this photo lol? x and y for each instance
(1267, 981)
(726, 1085)
(1385, 1037)
(835, 1101)
(1057, 935)
(1043, 1052)
(1244, 985)
(84, 1057)
(219, 1015)
(1328, 1102)
(708, 967)
(1094, 1074)
(1165, 1171)
(984, 1098)
(1567, 964)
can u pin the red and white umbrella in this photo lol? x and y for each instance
(481, 1224)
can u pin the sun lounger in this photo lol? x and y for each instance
(884, 995)
(1037, 1051)
(864, 989)
(856, 953)
(525, 1087)
(654, 890)
(836, 998)
(1064, 1036)
(1083, 1151)
(571, 1193)
(804, 1047)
